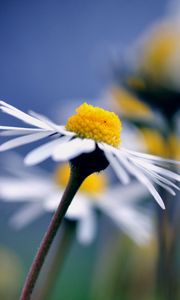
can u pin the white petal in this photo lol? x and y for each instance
(158, 169)
(86, 229)
(43, 152)
(157, 159)
(167, 188)
(26, 215)
(120, 172)
(22, 140)
(142, 178)
(42, 118)
(159, 180)
(153, 174)
(11, 110)
(106, 147)
(73, 148)
(56, 127)
(9, 131)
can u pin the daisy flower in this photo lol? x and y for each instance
(92, 136)
(41, 192)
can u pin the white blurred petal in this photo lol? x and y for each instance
(19, 169)
(133, 222)
(52, 201)
(132, 193)
(26, 215)
(12, 189)
(79, 207)
(86, 229)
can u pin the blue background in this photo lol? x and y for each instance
(51, 51)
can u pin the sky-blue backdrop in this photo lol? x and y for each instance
(53, 50)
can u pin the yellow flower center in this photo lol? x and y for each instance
(129, 105)
(94, 184)
(95, 123)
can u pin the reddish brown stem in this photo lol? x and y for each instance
(73, 185)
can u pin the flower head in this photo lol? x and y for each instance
(68, 145)
(95, 123)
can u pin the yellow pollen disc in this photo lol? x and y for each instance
(95, 123)
(94, 184)
(129, 105)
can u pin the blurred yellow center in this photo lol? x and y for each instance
(130, 106)
(136, 83)
(174, 144)
(95, 123)
(94, 184)
(155, 142)
(158, 51)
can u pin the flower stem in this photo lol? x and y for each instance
(55, 261)
(75, 180)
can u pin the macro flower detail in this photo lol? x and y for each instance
(96, 123)
(40, 193)
(67, 144)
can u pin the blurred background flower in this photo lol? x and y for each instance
(41, 191)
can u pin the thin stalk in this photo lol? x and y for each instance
(55, 261)
(75, 180)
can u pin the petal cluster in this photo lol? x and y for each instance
(66, 145)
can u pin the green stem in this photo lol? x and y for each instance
(76, 178)
(56, 258)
